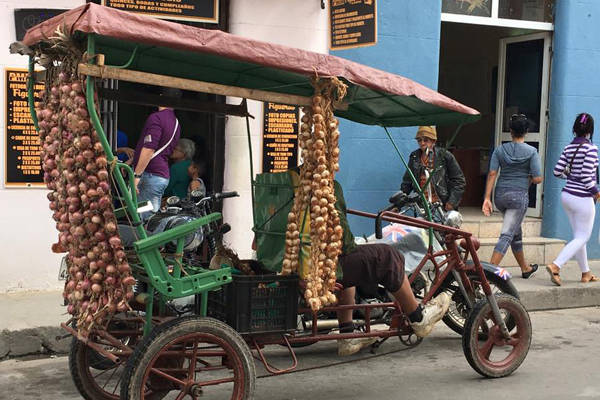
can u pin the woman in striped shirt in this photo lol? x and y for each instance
(578, 163)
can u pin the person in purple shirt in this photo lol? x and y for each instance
(156, 143)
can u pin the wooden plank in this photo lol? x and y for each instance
(105, 72)
(148, 99)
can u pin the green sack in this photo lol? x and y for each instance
(273, 200)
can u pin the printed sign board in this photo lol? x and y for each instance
(280, 137)
(23, 163)
(183, 10)
(26, 18)
(352, 23)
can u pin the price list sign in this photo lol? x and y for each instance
(352, 23)
(23, 148)
(183, 10)
(280, 137)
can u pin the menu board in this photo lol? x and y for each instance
(22, 147)
(352, 23)
(280, 137)
(183, 10)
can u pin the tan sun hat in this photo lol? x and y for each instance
(427, 131)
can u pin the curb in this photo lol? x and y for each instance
(32, 341)
(560, 297)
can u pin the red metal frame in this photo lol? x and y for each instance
(400, 324)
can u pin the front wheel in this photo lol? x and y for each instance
(459, 309)
(190, 357)
(493, 355)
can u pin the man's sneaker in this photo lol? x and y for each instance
(432, 313)
(348, 347)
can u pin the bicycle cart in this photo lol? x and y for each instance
(156, 352)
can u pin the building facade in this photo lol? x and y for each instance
(536, 57)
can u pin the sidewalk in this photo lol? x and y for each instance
(538, 293)
(30, 322)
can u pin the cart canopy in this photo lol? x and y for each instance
(374, 97)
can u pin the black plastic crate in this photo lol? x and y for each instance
(257, 304)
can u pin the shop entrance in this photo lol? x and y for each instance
(500, 71)
(132, 103)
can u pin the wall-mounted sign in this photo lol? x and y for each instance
(25, 18)
(352, 23)
(182, 10)
(280, 137)
(22, 146)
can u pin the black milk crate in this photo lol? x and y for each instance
(254, 304)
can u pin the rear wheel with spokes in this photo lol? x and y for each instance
(492, 354)
(95, 376)
(189, 358)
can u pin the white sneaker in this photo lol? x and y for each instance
(433, 311)
(347, 347)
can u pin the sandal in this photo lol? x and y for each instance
(554, 276)
(592, 278)
(526, 275)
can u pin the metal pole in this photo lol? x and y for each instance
(416, 185)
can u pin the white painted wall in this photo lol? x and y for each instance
(296, 23)
(26, 226)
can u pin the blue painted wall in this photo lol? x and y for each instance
(407, 44)
(575, 88)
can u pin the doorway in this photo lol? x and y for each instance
(523, 77)
(205, 129)
(471, 71)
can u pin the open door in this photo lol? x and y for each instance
(523, 82)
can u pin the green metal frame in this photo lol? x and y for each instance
(168, 283)
(414, 179)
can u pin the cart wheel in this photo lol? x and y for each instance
(190, 357)
(493, 356)
(95, 376)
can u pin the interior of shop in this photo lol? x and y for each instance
(206, 129)
(468, 72)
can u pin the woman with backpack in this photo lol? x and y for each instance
(578, 164)
(520, 166)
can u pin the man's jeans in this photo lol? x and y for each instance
(151, 188)
(513, 204)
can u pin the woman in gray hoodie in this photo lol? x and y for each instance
(520, 165)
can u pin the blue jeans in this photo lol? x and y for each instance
(513, 204)
(151, 188)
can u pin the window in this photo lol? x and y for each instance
(527, 10)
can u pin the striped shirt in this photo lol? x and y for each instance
(582, 179)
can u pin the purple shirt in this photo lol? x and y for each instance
(157, 132)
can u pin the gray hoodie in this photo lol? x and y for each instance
(517, 162)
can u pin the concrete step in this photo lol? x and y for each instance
(490, 227)
(538, 250)
(538, 293)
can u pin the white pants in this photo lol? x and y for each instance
(581, 212)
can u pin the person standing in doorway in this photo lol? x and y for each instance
(151, 160)
(520, 166)
(447, 183)
(578, 164)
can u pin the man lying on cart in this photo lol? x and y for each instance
(369, 265)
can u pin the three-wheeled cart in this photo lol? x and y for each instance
(154, 353)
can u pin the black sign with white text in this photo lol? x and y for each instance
(352, 23)
(280, 137)
(22, 146)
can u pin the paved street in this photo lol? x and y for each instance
(562, 364)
